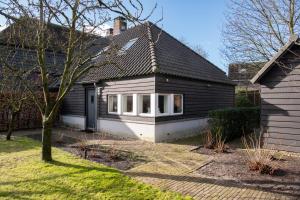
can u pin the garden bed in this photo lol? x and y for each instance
(109, 156)
(232, 167)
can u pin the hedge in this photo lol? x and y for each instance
(234, 122)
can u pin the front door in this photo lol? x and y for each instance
(91, 108)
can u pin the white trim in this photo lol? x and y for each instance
(123, 102)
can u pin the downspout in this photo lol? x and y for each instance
(96, 107)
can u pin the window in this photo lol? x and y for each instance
(163, 104)
(178, 104)
(128, 103)
(127, 46)
(145, 104)
(112, 104)
(100, 52)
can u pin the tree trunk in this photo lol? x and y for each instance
(46, 141)
(11, 118)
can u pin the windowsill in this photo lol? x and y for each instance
(113, 113)
(129, 113)
(163, 114)
(177, 114)
(145, 115)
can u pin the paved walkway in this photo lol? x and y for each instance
(173, 167)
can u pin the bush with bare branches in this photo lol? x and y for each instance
(258, 158)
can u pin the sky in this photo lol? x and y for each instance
(199, 22)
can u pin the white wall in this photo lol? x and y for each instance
(179, 129)
(159, 132)
(166, 131)
(73, 121)
(140, 130)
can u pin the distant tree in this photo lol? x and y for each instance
(195, 47)
(256, 29)
(13, 95)
(74, 16)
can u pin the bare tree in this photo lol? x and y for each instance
(195, 47)
(76, 17)
(13, 95)
(256, 29)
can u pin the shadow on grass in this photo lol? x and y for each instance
(17, 144)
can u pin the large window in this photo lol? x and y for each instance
(113, 104)
(178, 104)
(145, 104)
(148, 105)
(163, 104)
(128, 104)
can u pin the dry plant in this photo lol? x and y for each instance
(219, 145)
(259, 159)
(208, 139)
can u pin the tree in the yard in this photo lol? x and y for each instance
(256, 29)
(78, 20)
(195, 47)
(13, 96)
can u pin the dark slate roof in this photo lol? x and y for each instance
(154, 52)
(268, 66)
(242, 73)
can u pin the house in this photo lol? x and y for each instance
(280, 98)
(161, 89)
(242, 73)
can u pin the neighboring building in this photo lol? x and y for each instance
(242, 73)
(280, 98)
(161, 89)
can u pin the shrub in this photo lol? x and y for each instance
(259, 159)
(214, 140)
(241, 100)
(234, 122)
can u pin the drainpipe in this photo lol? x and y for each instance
(96, 106)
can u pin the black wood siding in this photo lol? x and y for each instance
(198, 96)
(280, 108)
(140, 85)
(74, 102)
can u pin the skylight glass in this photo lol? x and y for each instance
(101, 52)
(127, 46)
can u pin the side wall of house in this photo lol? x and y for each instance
(73, 107)
(280, 106)
(198, 96)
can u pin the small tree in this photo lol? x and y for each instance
(13, 95)
(79, 19)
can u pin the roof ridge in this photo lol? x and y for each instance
(152, 48)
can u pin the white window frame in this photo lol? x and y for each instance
(118, 104)
(169, 111)
(152, 105)
(172, 104)
(134, 104)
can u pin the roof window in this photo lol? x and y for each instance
(127, 46)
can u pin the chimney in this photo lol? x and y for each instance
(120, 25)
(109, 32)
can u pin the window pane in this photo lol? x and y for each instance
(146, 104)
(177, 104)
(113, 103)
(128, 104)
(162, 103)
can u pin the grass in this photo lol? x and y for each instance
(24, 176)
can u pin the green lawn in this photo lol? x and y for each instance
(24, 176)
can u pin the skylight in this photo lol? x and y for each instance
(101, 52)
(127, 46)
